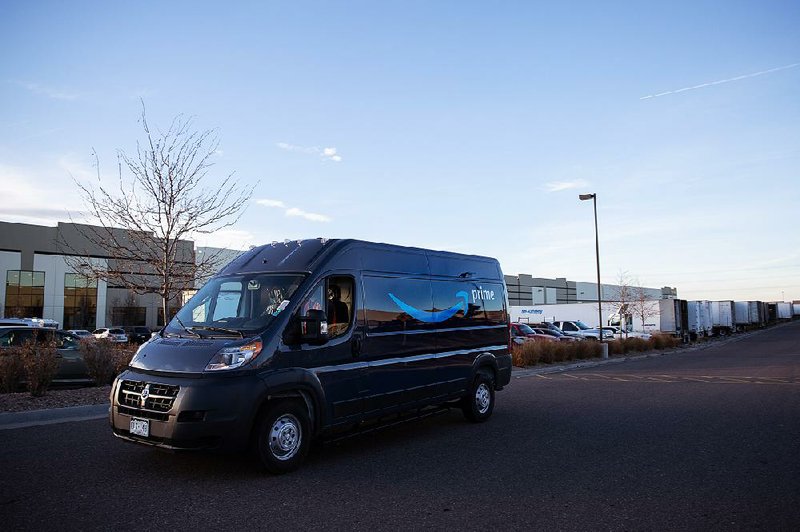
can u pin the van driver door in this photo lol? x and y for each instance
(334, 360)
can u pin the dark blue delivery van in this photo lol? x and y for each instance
(299, 340)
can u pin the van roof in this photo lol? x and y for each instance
(309, 255)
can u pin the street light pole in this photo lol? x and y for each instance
(604, 347)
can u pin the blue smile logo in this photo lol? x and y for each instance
(433, 317)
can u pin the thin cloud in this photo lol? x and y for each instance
(329, 154)
(49, 92)
(294, 211)
(558, 186)
(720, 82)
(271, 203)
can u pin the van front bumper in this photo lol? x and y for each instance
(209, 412)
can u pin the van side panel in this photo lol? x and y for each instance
(463, 337)
(423, 334)
(397, 343)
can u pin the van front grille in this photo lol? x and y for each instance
(147, 396)
(135, 412)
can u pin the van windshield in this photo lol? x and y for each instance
(235, 305)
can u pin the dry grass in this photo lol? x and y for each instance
(532, 353)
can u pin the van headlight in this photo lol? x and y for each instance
(234, 357)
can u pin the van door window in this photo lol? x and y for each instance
(339, 305)
(314, 300)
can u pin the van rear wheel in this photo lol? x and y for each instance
(478, 404)
(283, 437)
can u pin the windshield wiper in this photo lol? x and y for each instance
(216, 329)
(186, 329)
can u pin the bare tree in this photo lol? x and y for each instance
(164, 199)
(620, 306)
(643, 306)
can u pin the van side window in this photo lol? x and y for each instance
(339, 305)
(492, 298)
(469, 303)
(395, 304)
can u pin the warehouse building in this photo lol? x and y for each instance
(526, 290)
(37, 280)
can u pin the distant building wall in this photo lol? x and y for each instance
(526, 290)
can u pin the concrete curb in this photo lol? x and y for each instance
(33, 418)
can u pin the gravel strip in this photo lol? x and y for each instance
(22, 402)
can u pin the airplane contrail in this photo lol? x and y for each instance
(720, 82)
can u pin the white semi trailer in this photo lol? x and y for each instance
(723, 317)
(699, 317)
(751, 313)
(784, 311)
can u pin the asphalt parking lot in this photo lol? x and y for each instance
(702, 439)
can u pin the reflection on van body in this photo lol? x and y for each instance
(294, 341)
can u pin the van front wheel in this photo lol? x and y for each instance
(283, 437)
(478, 404)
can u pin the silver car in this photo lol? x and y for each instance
(115, 334)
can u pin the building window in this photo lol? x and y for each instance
(24, 294)
(80, 302)
(129, 316)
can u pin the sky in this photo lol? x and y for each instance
(467, 126)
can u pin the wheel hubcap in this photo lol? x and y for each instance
(483, 398)
(285, 437)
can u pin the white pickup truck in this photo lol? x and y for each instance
(584, 330)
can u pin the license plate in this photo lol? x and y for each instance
(140, 427)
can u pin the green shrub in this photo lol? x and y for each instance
(11, 370)
(104, 359)
(40, 360)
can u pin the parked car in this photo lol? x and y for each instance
(28, 322)
(71, 367)
(619, 333)
(584, 330)
(550, 327)
(116, 334)
(81, 334)
(521, 332)
(555, 333)
(137, 335)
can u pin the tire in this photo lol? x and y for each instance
(283, 437)
(478, 404)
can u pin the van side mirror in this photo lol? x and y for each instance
(314, 327)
